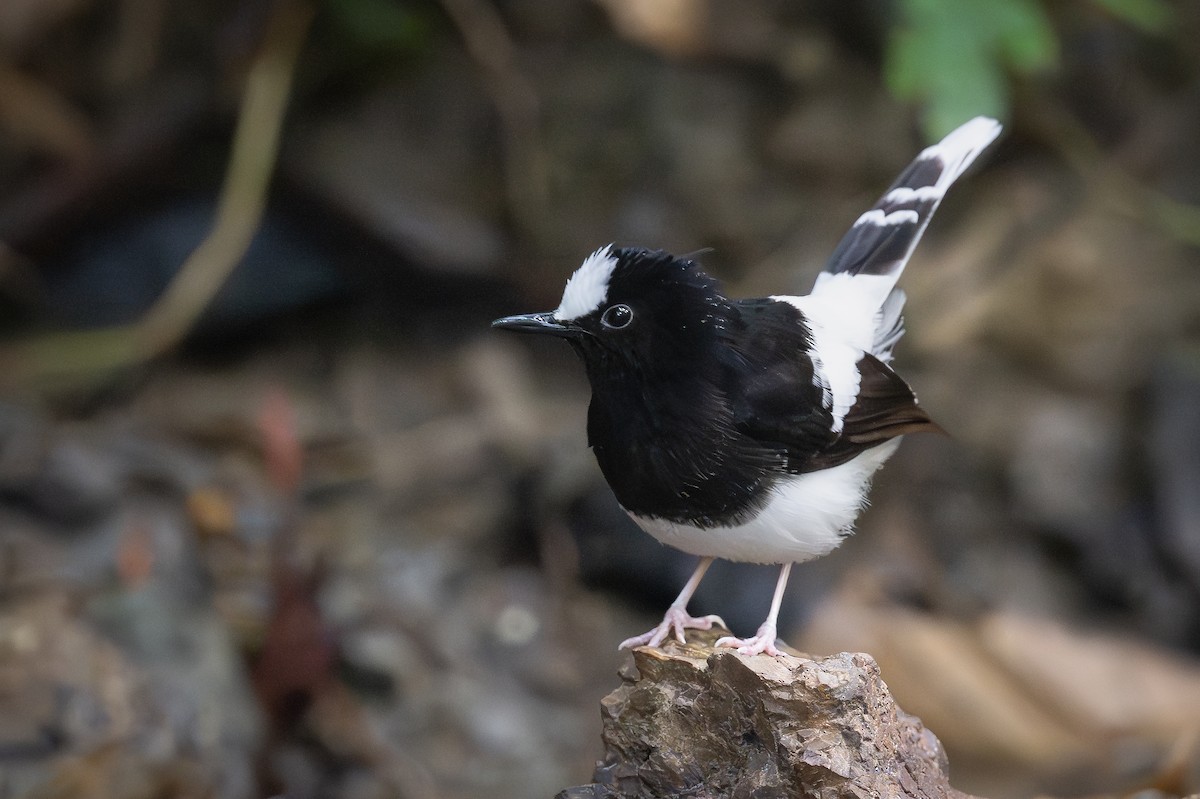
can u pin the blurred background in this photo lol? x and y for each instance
(279, 514)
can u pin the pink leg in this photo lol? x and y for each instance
(764, 639)
(677, 618)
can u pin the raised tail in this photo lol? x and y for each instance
(867, 262)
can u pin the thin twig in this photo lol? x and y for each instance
(247, 178)
(71, 358)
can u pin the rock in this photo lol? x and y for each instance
(1051, 702)
(61, 477)
(84, 712)
(693, 721)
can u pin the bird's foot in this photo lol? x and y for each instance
(763, 642)
(677, 620)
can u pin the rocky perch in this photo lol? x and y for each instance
(691, 721)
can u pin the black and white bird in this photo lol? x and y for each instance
(750, 429)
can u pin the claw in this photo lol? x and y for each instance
(677, 617)
(675, 621)
(763, 642)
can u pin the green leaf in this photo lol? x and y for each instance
(377, 24)
(953, 56)
(1023, 35)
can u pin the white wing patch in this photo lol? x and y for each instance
(587, 289)
(847, 304)
(841, 333)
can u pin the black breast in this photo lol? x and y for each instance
(702, 434)
(682, 458)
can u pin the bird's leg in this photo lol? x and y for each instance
(677, 617)
(764, 639)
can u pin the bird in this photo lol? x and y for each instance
(750, 429)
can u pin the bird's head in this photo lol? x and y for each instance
(629, 310)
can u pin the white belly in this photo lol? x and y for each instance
(807, 516)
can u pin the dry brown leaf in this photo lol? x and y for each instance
(938, 671)
(675, 27)
(1098, 684)
(1024, 694)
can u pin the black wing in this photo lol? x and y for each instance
(778, 400)
(885, 408)
(772, 387)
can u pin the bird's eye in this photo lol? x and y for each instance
(617, 316)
